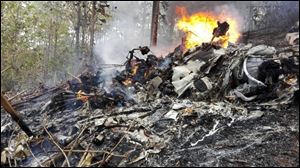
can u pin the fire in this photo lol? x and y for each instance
(127, 82)
(134, 69)
(199, 28)
(80, 95)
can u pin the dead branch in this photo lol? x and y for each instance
(39, 95)
(5, 69)
(79, 80)
(59, 155)
(58, 146)
(49, 157)
(15, 116)
(94, 151)
(74, 144)
(34, 155)
(10, 99)
(49, 90)
(110, 153)
(84, 155)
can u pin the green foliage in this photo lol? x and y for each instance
(38, 42)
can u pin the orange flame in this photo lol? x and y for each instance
(199, 28)
(134, 69)
(80, 96)
(127, 82)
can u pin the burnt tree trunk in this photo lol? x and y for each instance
(154, 23)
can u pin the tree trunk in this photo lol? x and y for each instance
(48, 51)
(154, 23)
(171, 19)
(92, 32)
(55, 42)
(77, 30)
(84, 24)
(55, 38)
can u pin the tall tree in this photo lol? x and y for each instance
(41, 40)
(77, 29)
(92, 32)
(84, 23)
(154, 23)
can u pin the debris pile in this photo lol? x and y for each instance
(206, 106)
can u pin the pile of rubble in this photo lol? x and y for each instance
(207, 106)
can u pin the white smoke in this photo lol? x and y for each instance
(129, 26)
(124, 31)
(231, 11)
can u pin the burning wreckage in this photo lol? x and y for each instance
(212, 104)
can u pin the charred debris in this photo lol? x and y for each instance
(161, 111)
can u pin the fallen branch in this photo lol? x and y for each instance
(49, 157)
(110, 153)
(10, 99)
(15, 116)
(59, 155)
(49, 90)
(83, 156)
(34, 155)
(79, 80)
(93, 151)
(5, 69)
(39, 95)
(74, 145)
(62, 151)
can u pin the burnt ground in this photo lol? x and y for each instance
(269, 140)
(259, 136)
(206, 133)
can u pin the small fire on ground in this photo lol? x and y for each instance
(199, 28)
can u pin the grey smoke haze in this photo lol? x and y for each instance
(129, 26)
(123, 32)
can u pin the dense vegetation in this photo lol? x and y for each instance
(44, 40)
